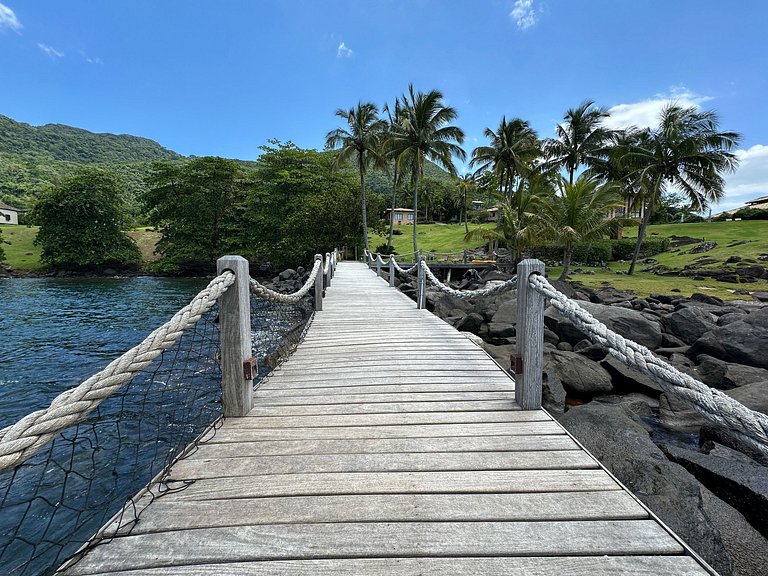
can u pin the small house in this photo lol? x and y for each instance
(493, 214)
(9, 214)
(400, 216)
(477, 204)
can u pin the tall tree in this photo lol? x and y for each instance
(579, 212)
(513, 148)
(362, 139)
(686, 151)
(424, 133)
(464, 186)
(83, 221)
(398, 161)
(581, 139)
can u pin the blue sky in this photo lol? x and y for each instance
(221, 78)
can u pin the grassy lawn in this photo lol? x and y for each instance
(439, 238)
(21, 254)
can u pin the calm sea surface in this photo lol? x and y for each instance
(54, 333)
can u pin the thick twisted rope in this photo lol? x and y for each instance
(717, 407)
(492, 291)
(263, 292)
(22, 440)
(402, 270)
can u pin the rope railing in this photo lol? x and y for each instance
(262, 291)
(466, 294)
(750, 426)
(22, 440)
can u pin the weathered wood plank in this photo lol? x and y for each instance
(273, 392)
(535, 566)
(360, 540)
(257, 486)
(388, 419)
(224, 449)
(194, 468)
(378, 380)
(383, 408)
(230, 432)
(263, 399)
(167, 514)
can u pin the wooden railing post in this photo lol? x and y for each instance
(378, 265)
(391, 272)
(530, 337)
(235, 327)
(319, 284)
(421, 283)
(328, 274)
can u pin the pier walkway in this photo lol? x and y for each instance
(390, 444)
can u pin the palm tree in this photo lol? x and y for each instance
(514, 146)
(581, 139)
(464, 186)
(579, 213)
(687, 152)
(425, 133)
(398, 160)
(362, 139)
(518, 226)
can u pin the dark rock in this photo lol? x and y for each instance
(636, 405)
(703, 247)
(579, 375)
(672, 350)
(594, 352)
(732, 477)
(552, 391)
(625, 378)
(675, 290)
(470, 323)
(677, 414)
(502, 354)
(550, 337)
(733, 259)
(625, 448)
(670, 341)
(443, 304)
(564, 346)
(563, 287)
(753, 395)
(496, 275)
(664, 298)
(706, 299)
(506, 313)
(110, 272)
(287, 274)
(689, 324)
(730, 318)
(726, 375)
(760, 296)
(744, 342)
(609, 295)
(499, 330)
(629, 323)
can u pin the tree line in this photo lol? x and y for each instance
(576, 187)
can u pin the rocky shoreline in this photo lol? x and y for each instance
(700, 480)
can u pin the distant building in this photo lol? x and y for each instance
(758, 203)
(9, 214)
(400, 215)
(493, 214)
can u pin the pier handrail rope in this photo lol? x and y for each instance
(278, 297)
(749, 425)
(492, 291)
(22, 440)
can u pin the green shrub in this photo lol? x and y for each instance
(624, 249)
(384, 249)
(587, 253)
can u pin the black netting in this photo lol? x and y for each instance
(276, 329)
(52, 504)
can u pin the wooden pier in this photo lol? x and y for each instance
(390, 444)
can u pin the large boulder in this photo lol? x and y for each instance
(580, 376)
(629, 323)
(731, 476)
(743, 342)
(628, 379)
(726, 375)
(677, 414)
(502, 354)
(625, 448)
(506, 312)
(689, 324)
(552, 391)
(472, 322)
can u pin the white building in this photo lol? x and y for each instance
(9, 214)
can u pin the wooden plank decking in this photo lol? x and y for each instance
(389, 444)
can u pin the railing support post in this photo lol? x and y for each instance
(328, 274)
(391, 272)
(378, 265)
(421, 284)
(235, 325)
(530, 337)
(319, 284)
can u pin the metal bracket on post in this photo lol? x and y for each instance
(391, 272)
(530, 337)
(235, 329)
(319, 284)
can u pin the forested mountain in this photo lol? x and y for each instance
(60, 142)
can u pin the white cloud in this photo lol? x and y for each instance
(645, 114)
(750, 180)
(343, 51)
(8, 19)
(524, 14)
(52, 52)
